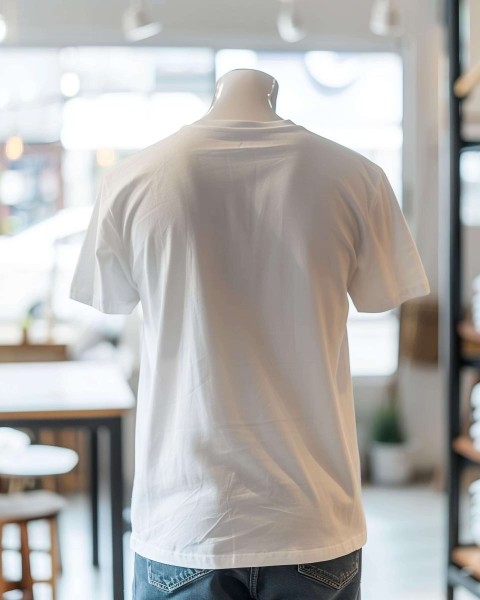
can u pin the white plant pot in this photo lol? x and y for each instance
(390, 463)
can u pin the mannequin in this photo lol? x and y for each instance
(244, 94)
(237, 235)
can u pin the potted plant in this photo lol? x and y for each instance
(390, 456)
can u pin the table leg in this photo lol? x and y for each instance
(116, 505)
(94, 491)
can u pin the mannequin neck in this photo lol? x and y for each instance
(246, 95)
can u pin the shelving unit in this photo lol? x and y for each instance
(463, 560)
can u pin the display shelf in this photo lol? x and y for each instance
(470, 343)
(469, 334)
(459, 341)
(464, 569)
(463, 445)
(471, 361)
(468, 558)
(470, 146)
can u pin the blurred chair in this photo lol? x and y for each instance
(21, 508)
(19, 462)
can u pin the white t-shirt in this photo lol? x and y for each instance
(241, 240)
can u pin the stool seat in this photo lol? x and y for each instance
(36, 504)
(38, 460)
(12, 440)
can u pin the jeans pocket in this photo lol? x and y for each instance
(170, 578)
(336, 572)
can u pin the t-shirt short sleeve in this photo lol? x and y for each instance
(102, 277)
(388, 268)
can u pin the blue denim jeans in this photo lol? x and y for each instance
(335, 579)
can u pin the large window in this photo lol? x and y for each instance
(71, 112)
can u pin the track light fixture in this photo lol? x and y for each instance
(385, 19)
(3, 28)
(137, 25)
(289, 22)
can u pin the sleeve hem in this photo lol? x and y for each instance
(110, 308)
(421, 288)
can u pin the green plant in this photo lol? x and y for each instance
(387, 426)
(25, 325)
(387, 423)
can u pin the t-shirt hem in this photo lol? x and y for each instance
(254, 559)
(422, 288)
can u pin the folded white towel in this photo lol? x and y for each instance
(475, 396)
(474, 487)
(474, 430)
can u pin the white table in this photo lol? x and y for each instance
(83, 394)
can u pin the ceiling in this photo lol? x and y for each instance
(214, 23)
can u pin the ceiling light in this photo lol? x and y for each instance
(3, 28)
(332, 70)
(14, 147)
(106, 157)
(137, 25)
(289, 22)
(385, 19)
(69, 84)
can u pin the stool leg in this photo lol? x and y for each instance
(56, 543)
(3, 587)
(16, 484)
(55, 555)
(26, 581)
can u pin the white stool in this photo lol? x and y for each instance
(20, 508)
(35, 460)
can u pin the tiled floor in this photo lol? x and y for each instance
(403, 559)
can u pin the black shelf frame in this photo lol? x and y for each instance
(458, 577)
(451, 314)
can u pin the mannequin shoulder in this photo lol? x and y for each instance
(326, 149)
